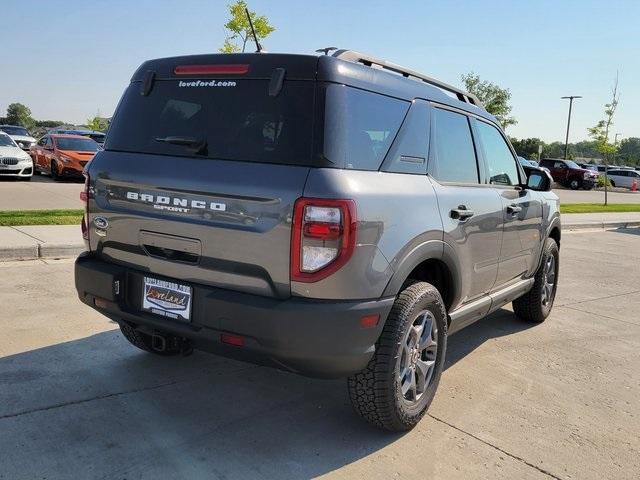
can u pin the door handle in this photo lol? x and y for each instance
(461, 213)
(514, 209)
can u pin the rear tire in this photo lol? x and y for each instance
(396, 388)
(612, 183)
(55, 175)
(535, 305)
(144, 342)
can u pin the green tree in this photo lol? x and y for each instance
(629, 151)
(238, 28)
(494, 98)
(527, 147)
(19, 114)
(600, 131)
(97, 123)
(554, 150)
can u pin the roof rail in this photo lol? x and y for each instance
(357, 57)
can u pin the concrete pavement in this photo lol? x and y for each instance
(57, 241)
(551, 401)
(42, 193)
(40, 241)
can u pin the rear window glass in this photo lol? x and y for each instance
(454, 154)
(224, 120)
(359, 126)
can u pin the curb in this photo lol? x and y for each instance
(600, 225)
(45, 250)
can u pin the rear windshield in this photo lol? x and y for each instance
(335, 126)
(231, 120)
(77, 144)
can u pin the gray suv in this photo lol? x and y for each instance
(333, 216)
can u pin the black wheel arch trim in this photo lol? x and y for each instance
(429, 250)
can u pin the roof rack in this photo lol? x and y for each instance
(357, 57)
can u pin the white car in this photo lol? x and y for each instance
(14, 162)
(20, 135)
(624, 177)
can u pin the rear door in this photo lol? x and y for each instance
(521, 208)
(471, 212)
(198, 179)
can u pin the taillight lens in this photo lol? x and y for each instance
(323, 237)
(84, 196)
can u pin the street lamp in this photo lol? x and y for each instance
(566, 142)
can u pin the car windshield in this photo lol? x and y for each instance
(15, 131)
(6, 141)
(572, 164)
(77, 144)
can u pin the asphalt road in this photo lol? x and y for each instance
(559, 400)
(42, 193)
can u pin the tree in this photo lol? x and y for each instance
(97, 123)
(19, 114)
(527, 147)
(629, 151)
(600, 132)
(238, 28)
(494, 98)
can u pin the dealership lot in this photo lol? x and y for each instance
(42, 193)
(558, 400)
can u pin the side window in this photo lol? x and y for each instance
(500, 161)
(42, 141)
(454, 158)
(48, 142)
(558, 165)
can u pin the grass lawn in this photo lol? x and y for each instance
(40, 217)
(598, 207)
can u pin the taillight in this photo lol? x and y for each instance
(84, 196)
(323, 237)
(235, 69)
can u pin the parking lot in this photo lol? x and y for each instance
(557, 400)
(42, 193)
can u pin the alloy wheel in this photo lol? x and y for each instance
(549, 280)
(418, 357)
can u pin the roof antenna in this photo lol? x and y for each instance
(326, 50)
(258, 46)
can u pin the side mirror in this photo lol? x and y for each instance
(538, 179)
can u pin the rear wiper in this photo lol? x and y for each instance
(199, 145)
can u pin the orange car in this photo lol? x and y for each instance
(62, 155)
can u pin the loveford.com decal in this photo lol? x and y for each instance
(204, 83)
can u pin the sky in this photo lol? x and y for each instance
(70, 59)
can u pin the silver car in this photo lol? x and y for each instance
(624, 178)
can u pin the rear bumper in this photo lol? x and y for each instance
(311, 337)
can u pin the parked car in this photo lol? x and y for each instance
(570, 174)
(14, 162)
(624, 177)
(527, 163)
(98, 137)
(61, 155)
(20, 135)
(360, 257)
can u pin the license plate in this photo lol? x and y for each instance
(169, 299)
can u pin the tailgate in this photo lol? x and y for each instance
(221, 223)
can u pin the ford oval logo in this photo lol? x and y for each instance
(101, 223)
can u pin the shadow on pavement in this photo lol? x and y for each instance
(98, 405)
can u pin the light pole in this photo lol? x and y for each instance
(615, 144)
(566, 142)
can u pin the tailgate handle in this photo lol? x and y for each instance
(170, 247)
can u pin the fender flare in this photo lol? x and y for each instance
(555, 222)
(431, 249)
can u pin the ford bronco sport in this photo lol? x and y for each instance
(333, 216)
